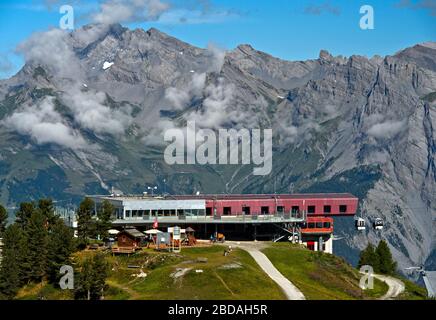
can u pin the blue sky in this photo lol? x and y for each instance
(289, 29)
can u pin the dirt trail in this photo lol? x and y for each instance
(396, 286)
(253, 248)
(132, 293)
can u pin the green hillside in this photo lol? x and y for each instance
(320, 276)
(233, 277)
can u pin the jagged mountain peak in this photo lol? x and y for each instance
(325, 55)
(429, 44)
(332, 117)
(156, 33)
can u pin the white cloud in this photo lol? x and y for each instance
(5, 63)
(117, 11)
(44, 125)
(214, 113)
(322, 8)
(429, 5)
(217, 56)
(53, 50)
(90, 112)
(387, 129)
(181, 97)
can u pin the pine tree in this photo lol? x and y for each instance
(387, 263)
(60, 248)
(11, 266)
(47, 209)
(3, 220)
(101, 272)
(85, 222)
(37, 242)
(23, 214)
(369, 257)
(84, 280)
(92, 278)
(104, 221)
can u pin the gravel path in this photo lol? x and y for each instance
(253, 248)
(396, 287)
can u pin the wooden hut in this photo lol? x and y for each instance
(130, 238)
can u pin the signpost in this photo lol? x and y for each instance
(177, 244)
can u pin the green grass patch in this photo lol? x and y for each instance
(380, 288)
(412, 291)
(233, 277)
(318, 275)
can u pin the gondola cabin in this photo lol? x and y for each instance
(360, 224)
(378, 224)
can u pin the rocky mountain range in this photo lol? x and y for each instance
(86, 115)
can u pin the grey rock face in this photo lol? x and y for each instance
(340, 124)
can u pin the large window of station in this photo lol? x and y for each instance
(190, 212)
(162, 213)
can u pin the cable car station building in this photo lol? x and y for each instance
(303, 218)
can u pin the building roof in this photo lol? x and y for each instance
(265, 196)
(231, 196)
(133, 232)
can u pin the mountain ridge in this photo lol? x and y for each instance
(337, 121)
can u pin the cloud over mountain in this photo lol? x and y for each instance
(43, 124)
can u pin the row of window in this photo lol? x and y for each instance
(281, 209)
(164, 213)
(327, 209)
(227, 211)
(317, 225)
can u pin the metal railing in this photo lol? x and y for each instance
(240, 217)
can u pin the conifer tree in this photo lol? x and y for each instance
(37, 242)
(3, 220)
(92, 278)
(60, 248)
(369, 257)
(387, 264)
(104, 221)
(101, 272)
(85, 222)
(47, 209)
(23, 214)
(11, 266)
